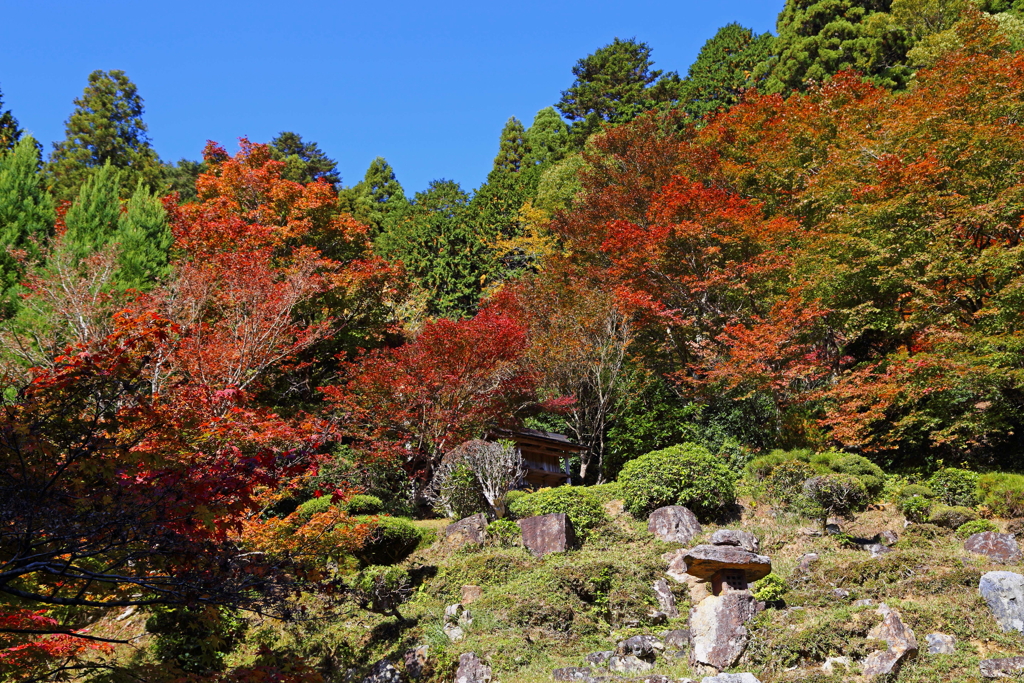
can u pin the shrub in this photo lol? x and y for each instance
(761, 467)
(975, 526)
(870, 474)
(770, 588)
(363, 505)
(314, 506)
(1002, 493)
(504, 532)
(916, 490)
(581, 507)
(951, 516)
(680, 475)
(514, 496)
(916, 508)
(783, 486)
(606, 492)
(833, 495)
(391, 540)
(381, 589)
(455, 491)
(955, 486)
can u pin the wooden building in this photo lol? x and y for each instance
(546, 455)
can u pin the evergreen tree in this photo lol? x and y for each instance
(145, 239)
(511, 148)
(510, 183)
(724, 69)
(615, 84)
(305, 161)
(93, 218)
(818, 38)
(105, 127)
(10, 133)
(26, 211)
(181, 178)
(442, 252)
(547, 139)
(377, 198)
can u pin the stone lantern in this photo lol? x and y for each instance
(730, 562)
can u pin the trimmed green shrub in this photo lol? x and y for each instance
(770, 588)
(951, 516)
(606, 492)
(761, 467)
(955, 486)
(1002, 493)
(513, 496)
(785, 483)
(916, 508)
(314, 506)
(363, 505)
(391, 540)
(680, 475)
(916, 490)
(381, 589)
(833, 495)
(504, 532)
(576, 502)
(975, 526)
(870, 474)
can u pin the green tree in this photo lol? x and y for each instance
(547, 139)
(724, 69)
(377, 198)
(819, 38)
(441, 249)
(92, 220)
(105, 127)
(26, 211)
(145, 239)
(10, 133)
(181, 178)
(305, 161)
(615, 83)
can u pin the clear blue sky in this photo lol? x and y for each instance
(427, 85)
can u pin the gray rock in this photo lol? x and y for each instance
(832, 664)
(471, 530)
(877, 549)
(454, 633)
(804, 565)
(940, 644)
(902, 645)
(384, 672)
(833, 529)
(657, 618)
(598, 658)
(628, 664)
(465, 619)
(739, 539)
(841, 594)
(452, 613)
(866, 602)
(718, 634)
(705, 561)
(888, 537)
(674, 524)
(417, 662)
(731, 678)
(573, 673)
(1004, 594)
(1009, 667)
(472, 670)
(545, 534)
(678, 639)
(666, 599)
(998, 547)
(644, 647)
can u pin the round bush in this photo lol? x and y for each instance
(975, 526)
(783, 486)
(606, 492)
(581, 507)
(870, 474)
(916, 490)
(504, 532)
(916, 508)
(770, 588)
(314, 506)
(1002, 493)
(680, 475)
(834, 495)
(391, 540)
(363, 505)
(955, 486)
(951, 516)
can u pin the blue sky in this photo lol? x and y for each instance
(427, 85)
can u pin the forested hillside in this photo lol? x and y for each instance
(240, 396)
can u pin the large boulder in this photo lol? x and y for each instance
(998, 547)
(472, 670)
(705, 561)
(739, 539)
(666, 599)
(718, 634)
(900, 641)
(545, 534)
(644, 647)
(469, 531)
(1008, 667)
(674, 524)
(1004, 594)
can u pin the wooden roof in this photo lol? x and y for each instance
(547, 443)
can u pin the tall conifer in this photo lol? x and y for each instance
(145, 239)
(10, 133)
(26, 210)
(93, 218)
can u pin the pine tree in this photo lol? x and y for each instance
(724, 69)
(105, 127)
(377, 199)
(10, 133)
(93, 218)
(145, 239)
(305, 161)
(547, 139)
(26, 210)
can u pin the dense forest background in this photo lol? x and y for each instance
(808, 240)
